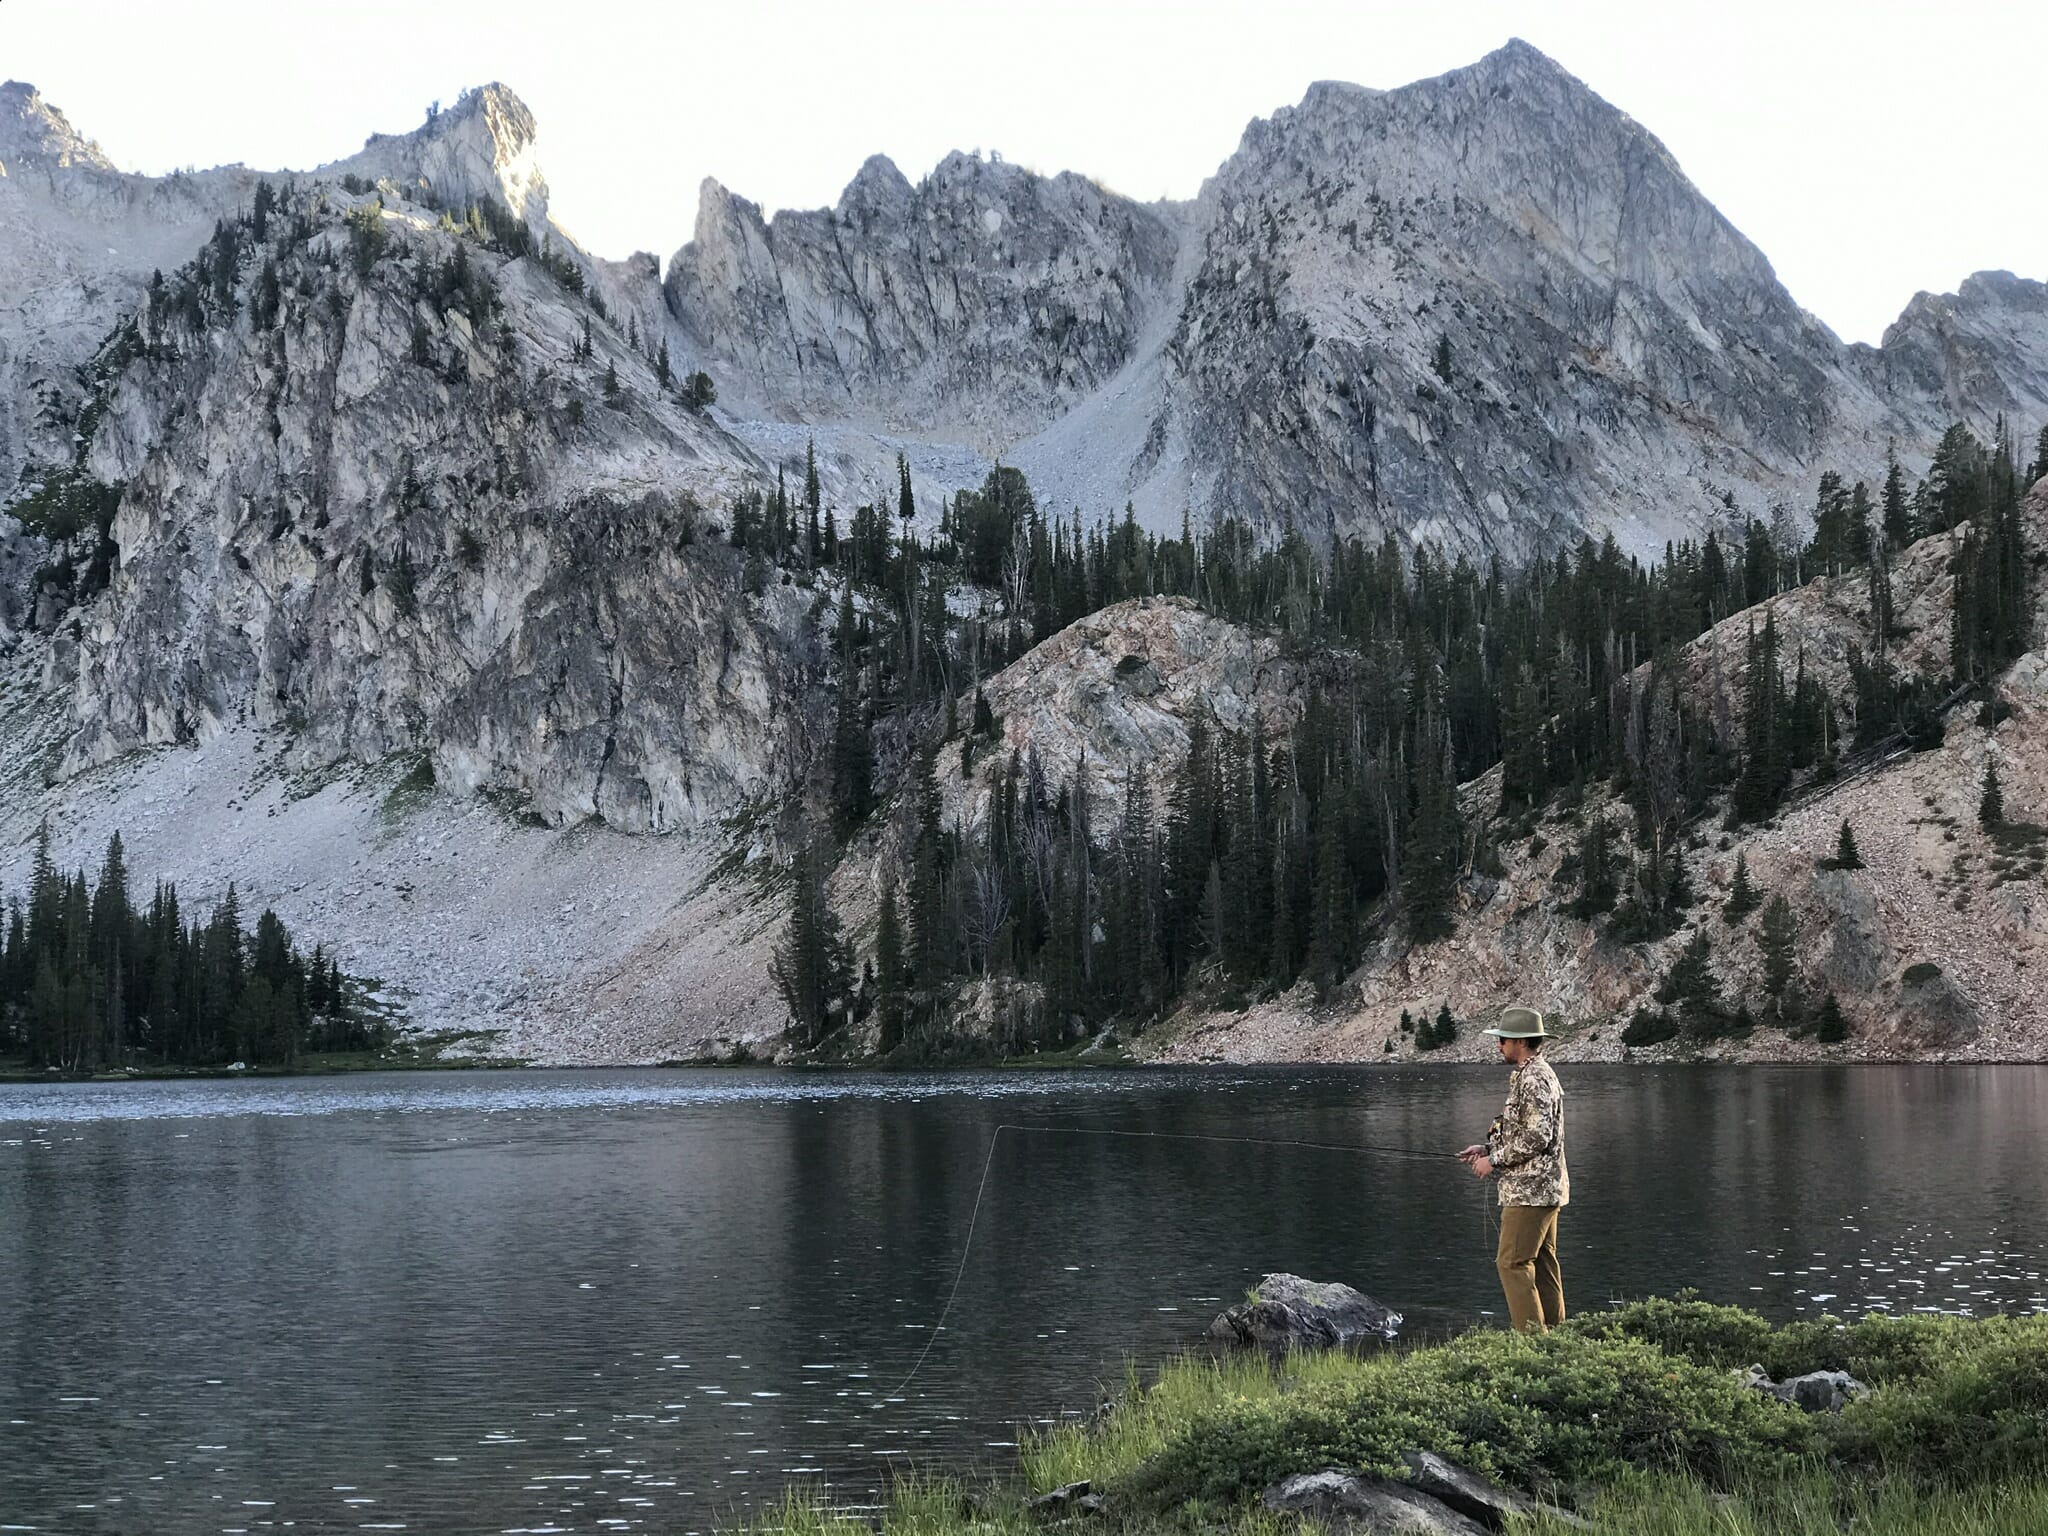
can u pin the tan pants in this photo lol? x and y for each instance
(1527, 1262)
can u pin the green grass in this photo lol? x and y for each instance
(1634, 1416)
(1813, 1504)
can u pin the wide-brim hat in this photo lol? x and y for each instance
(1520, 1024)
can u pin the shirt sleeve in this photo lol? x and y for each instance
(1528, 1126)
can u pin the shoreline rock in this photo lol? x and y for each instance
(1287, 1312)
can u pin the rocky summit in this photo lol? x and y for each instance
(506, 614)
(1487, 309)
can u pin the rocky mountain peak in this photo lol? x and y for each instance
(482, 148)
(1978, 351)
(32, 131)
(878, 189)
(487, 113)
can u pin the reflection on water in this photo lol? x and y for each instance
(643, 1300)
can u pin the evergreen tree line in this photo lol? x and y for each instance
(1301, 837)
(1693, 1001)
(89, 981)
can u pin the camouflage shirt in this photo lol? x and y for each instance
(1526, 1144)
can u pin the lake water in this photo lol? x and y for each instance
(604, 1301)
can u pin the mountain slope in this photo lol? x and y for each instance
(393, 495)
(1486, 309)
(1933, 948)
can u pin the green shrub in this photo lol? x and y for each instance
(1977, 1411)
(1876, 1349)
(1522, 1409)
(1683, 1325)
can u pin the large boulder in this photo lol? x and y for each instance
(1288, 1312)
(1349, 1501)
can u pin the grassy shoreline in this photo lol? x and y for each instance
(1635, 1420)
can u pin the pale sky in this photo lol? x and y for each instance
(1870, 149)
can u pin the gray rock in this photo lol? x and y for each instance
(1463, 1489)
(1351, 1502)
(1936, 1014)
(1617, 353)
(1822, 1391)
(1857, 950)
(1288, 1312)
(1075, 1499)
(1815, 1392)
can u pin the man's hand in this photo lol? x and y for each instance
(1477, 1149)
(1481, 1166)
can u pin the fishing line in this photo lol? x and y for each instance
(1417, 1154)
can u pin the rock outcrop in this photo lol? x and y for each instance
(387, 520)
(1486, 309)
(1117, 691)
(983, 302)
(1370, 1506)
(1287, 1312)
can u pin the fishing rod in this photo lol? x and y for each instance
(1415, 1154)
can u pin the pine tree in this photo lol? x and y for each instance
(1331, 938)
(1991, 803)
(661, 364)
(889, 974)
(1742, 895)
(1846, 855)
(1830, 1028)
(852, 761)
(1429, 864)
(1777, 935)
(1522, 728)
(1446, 1031)
(1598, 881)
(1694, 988)
(930, 937)
(811, 967)
(268, 298)
(813, 533)
(1767, 722)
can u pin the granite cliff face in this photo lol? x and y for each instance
(403, 525)
(1486, 309)
(1981, 349)
(1490, 309)
(983, 302)
(86, 236)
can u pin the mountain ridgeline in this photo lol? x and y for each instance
(1105, 609)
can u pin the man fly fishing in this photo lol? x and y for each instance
(1525, 1146)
